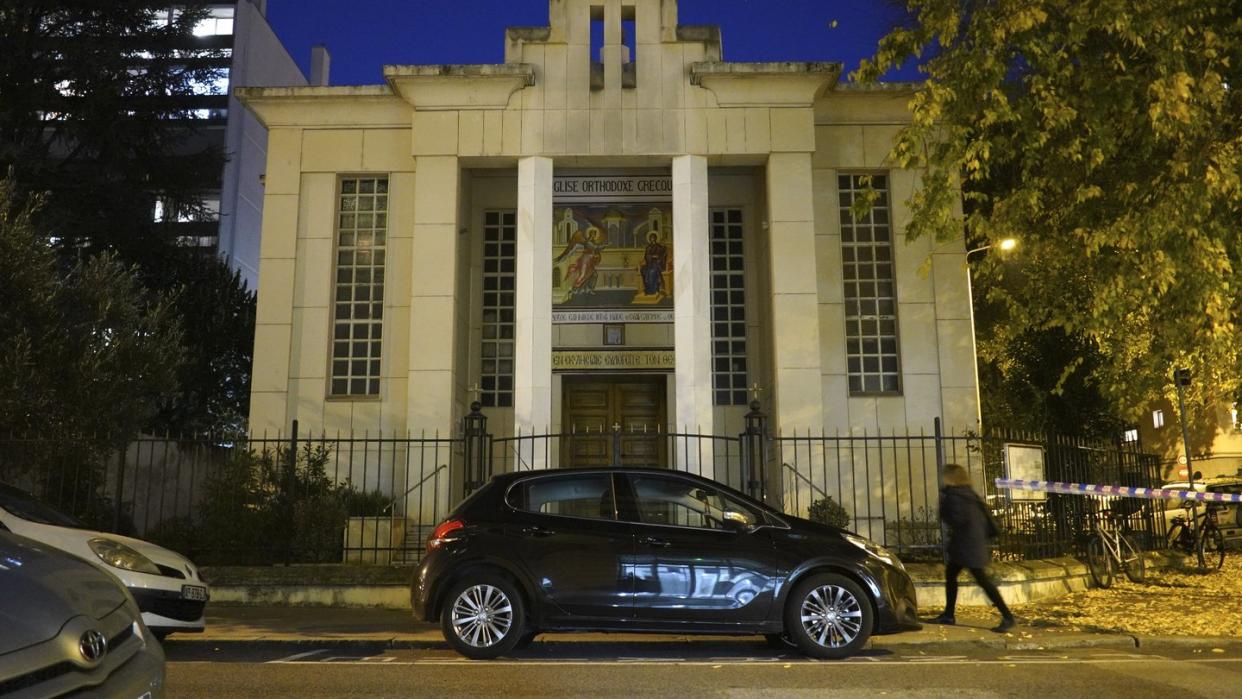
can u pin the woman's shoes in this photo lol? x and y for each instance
(946, 619)
(1006, 624)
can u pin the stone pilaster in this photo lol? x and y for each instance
(532, 354)
(795, 312)
(692, 301)
(433, 284)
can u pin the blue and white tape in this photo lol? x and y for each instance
(1115, 490)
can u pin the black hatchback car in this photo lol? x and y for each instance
(650, 550)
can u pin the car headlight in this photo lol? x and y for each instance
(118, 555)
(875, 550)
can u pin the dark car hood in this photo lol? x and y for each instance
(42, 588)
(806, 527)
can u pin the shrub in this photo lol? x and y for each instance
(828, 511)
(917, 536)
(265, 507)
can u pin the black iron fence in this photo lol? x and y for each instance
(256, 500)
(300, 498)
(886, 487)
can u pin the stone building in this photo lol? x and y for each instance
(638, 233)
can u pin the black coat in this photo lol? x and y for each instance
(968, 524)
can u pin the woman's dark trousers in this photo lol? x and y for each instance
(951, 571)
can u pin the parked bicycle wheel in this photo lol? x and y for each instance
(1176, 537)
(1133, 560)
(1099, 562)
(1211, 548)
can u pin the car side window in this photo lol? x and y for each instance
(582, 495)
(683, 503)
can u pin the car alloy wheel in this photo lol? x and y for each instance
(482, 617)
(832, 616)
(828, 616)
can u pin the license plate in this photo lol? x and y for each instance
(194, 592)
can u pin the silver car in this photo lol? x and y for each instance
(69, 627)
(1228, 515)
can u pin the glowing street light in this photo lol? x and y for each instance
(1005, 245)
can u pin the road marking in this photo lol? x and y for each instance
(297, 656)
(337, 660)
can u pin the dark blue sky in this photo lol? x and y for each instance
(364, 35)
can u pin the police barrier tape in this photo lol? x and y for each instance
(1115, 490)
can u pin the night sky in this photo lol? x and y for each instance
(364, 35)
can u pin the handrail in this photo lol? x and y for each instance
(389, 506)
(520, 462)
(808, 480)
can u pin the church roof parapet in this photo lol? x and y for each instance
(776, 84)
(471, 86)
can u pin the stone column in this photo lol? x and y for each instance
(692, 309)
(795, 312)
(431, 377)
(433, 285)
(532, 352)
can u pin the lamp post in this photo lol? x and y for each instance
(1005, 245)
(1181, 378)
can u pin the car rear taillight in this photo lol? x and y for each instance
(442, 532)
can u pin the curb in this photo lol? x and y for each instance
(1184, 642)
(930, 647)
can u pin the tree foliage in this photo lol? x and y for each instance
(1107, 137)
(93, 113)
(84, 350)
(97, 123)
(218, 312)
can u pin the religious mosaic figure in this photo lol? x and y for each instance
(655, 260)
(582, 272)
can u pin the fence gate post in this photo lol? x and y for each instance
(120, 486)
(474, 430)
(616, 445)
(290, 477)
(752, 452)
(939, 452)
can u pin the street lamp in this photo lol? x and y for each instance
(1005, 245)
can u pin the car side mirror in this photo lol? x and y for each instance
(737, 521)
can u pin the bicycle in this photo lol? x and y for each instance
(1109, 546)
(1206, 542)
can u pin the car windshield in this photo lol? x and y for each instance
(21, 504)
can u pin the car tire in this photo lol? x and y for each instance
(526, 639)
(489, 637)
(828, 616)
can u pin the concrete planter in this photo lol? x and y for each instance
(374, 540)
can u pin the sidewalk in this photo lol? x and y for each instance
(234, 625)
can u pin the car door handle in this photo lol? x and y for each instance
(537, 530)
(652, 541)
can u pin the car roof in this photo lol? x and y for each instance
(509, 477)
(1206, 482)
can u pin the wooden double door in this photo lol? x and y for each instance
(615, 419)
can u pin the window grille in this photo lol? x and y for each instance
(358, 308)
(728, 308)
(870, 290)
(499, 254)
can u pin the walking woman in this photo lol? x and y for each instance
(969, 527)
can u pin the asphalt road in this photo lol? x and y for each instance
(741, 670)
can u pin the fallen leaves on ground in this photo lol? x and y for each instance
(1171, 602)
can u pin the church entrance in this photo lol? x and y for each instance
(595, 408)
